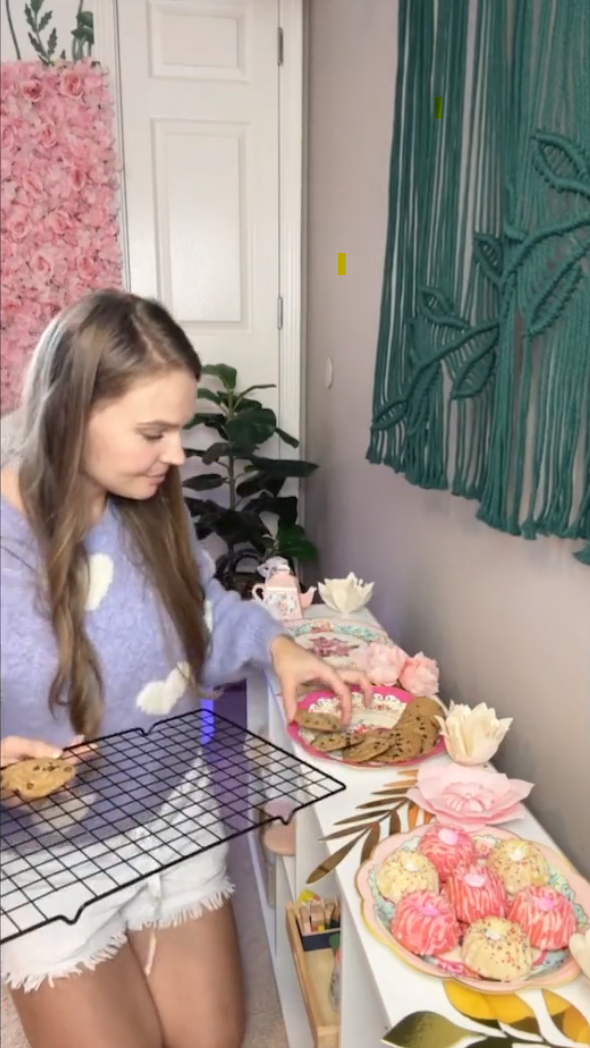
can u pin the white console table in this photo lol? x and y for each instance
(378, 989)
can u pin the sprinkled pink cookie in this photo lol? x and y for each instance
(425, 924)
(403, 872)
(495, 948)
(547, 917)
(447, 847)
(475, 892)
(519, 864)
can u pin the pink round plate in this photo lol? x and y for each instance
(387, 708)
(554, 968)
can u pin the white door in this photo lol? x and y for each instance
(200, 127)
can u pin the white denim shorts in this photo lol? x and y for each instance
(163, 900)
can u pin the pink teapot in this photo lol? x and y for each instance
(281, 592)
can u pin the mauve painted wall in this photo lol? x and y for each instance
(509, 621)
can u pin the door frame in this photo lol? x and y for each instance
(290, 73)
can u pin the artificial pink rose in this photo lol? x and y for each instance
(8, 193)
(71, 83)
(97, 217)
(58, 222)
(469, 797)
(382, 663)
(420, 676)
(77, 179)
(93, 83)
(6, 166)
(7, 136)
(31, 186)
(11, 305)
(42, 264)
(18, 223)
(48, 135)
(86, 269)
(33, 90)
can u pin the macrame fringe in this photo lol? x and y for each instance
(482, 381)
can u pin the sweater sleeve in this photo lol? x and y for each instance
(241, 630)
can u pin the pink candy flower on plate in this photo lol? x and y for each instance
(419, 676)
(469, 797)
(382, 663)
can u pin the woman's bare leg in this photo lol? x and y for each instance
(196, 981)
(109, 1007)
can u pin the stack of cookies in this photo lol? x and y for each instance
(415, 734)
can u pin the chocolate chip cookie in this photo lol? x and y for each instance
(33, 779)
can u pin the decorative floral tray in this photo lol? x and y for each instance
(388, 706)
(550, 968)
(336, 639)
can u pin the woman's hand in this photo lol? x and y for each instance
(14, 749)
(294, 666)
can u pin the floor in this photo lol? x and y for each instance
(265, 1022)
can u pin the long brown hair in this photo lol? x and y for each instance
(93, 352)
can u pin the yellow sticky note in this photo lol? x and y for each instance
(341, 264)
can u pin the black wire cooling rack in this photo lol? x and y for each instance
(140, 803)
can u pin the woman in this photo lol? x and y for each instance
(111, 618)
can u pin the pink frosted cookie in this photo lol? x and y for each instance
(519, 864)
(425, 924)
(447, 847)
(476, 892)
(547, 917)
(495, 948)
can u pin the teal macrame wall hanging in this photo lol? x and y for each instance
(482, 381)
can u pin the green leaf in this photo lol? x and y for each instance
(250, 389)
(86, 18)
(246, 404)
(38, 48)
(291, 541)
(45, 20)
(260, 482)
(228, 376)
(285, 508)
(287, 438)
(52, 43)
(209, 394)
(236, 528)
(221, 449)
(205, 481)
(251, 428)
(282, 467)
(426, 1030)
(212, 420)
(194, 452)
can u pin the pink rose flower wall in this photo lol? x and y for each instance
(59, 210)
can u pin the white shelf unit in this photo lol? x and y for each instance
(363, 1020)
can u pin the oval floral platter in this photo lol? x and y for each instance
(387, 708)
(335, 640)
(551, 968)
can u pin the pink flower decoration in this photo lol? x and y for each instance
(59, 181)
(469, 797)
(382, 663)
(419, 676)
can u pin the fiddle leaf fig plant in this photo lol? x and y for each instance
(251, 484)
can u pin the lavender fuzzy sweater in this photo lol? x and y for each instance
(142, 670)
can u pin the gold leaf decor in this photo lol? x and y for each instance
(425, 1030)
(567, 1018)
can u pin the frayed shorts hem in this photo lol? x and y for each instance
(165, 900)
